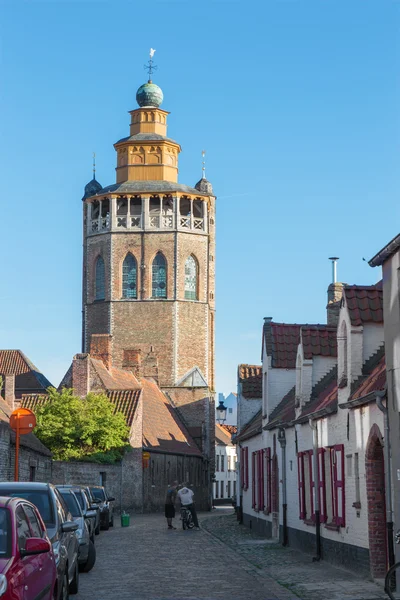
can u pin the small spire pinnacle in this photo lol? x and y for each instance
(203, 168)
(94, 165)
(150, 67)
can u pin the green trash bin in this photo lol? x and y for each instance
(125, 519)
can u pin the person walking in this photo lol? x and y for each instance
(186, 496)
(170, 504)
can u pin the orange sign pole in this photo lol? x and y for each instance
(16, 469)
(22, 421)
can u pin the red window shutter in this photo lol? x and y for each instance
(338, 453)
(261, 501)
(322, 485)
(253, 479)
(246, 467)
(300, 474)
(268, 476)
(242, 475)
(311, 483)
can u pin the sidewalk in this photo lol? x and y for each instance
(293, 570)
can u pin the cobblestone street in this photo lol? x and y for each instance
(224, 561)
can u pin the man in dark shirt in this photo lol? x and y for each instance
(170, 504)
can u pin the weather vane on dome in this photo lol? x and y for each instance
(203, 168)
(150, 67)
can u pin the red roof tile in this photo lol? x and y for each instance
(319, 340)
(324, 395)
(281, 341)
(162, 428)
(376, 381)
(364, 303)
(125, 402)
(285, 411)
(250, 377)
(115, 379)
(222, 435)
(232, 429)
(28, 378)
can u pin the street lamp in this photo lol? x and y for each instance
(221, 412)
(282, 442)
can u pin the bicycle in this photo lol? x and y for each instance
(186, 518)
(392, 578)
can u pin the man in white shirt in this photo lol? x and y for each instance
(185, 496)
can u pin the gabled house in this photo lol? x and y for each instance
(319, 450)
(225, 464)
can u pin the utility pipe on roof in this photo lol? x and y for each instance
(314, 427)
(388, 472)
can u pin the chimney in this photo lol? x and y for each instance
(100, 348)
(9, 391)
(335, 292)
(80, 374)
(132, 361)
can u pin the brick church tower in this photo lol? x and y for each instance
(148, 269)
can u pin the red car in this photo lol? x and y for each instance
(27, 565)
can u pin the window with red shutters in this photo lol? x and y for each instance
(301, 486)
(253, 480)
(268, 480)
(322, 485)
(311, 484)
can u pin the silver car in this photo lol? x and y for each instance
(87, 551)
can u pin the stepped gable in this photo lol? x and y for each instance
(253, 428)
(250, 377)
(324, 395)
(364, 303)
(28, 378)
(319, 340)
(163, 431)
(284, 413)
(373, 376)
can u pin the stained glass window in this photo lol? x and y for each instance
(191, 279)
(100, 287)
(159, 277)
(129, 277)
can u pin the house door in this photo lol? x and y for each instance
(376, 502)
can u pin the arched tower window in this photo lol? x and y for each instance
(191, 278)
(159, 277)
(129, 277)
(100, 287)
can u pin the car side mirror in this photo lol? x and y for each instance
(89, 514)
(111, 499)
(69, 526)
(35, 546)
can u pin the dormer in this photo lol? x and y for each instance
(360, 332)
(316, 356)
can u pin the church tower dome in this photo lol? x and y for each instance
(149, 95)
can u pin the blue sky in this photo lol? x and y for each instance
(296, 103)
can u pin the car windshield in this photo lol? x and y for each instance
(40, 498)
(98, 493)
(5, 533)
(71, 503)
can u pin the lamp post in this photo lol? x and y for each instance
(221, 412)
(282, 442)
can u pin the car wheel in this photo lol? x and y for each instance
(106, 525)
(89, 564)
(74, 586)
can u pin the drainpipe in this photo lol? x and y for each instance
(282, 441)
(389, 508)
(314, 427)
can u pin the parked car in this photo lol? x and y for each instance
(89, 511)
(27, 565)
(106, 507)
(93, 505)
(60, 528)
(87, 551)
